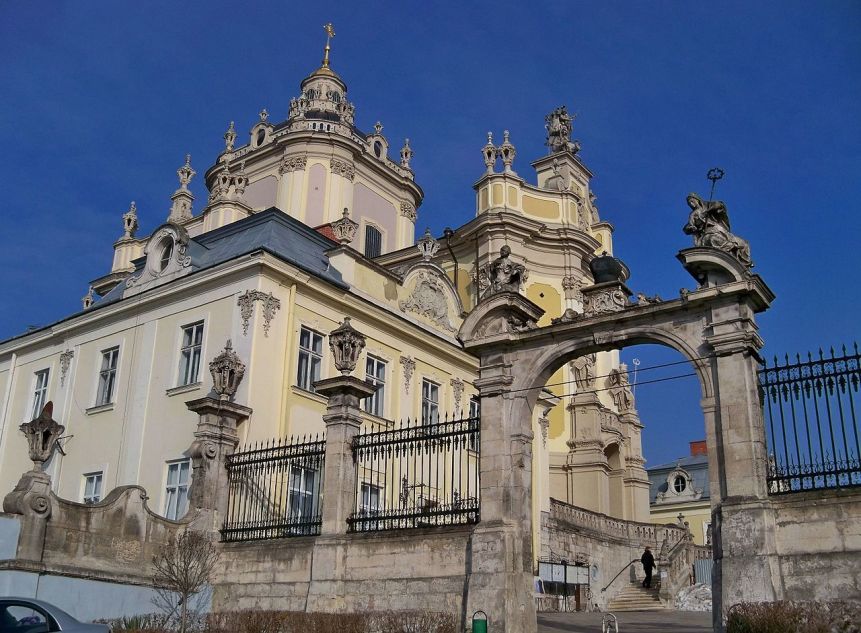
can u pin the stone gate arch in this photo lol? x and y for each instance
(714, 328)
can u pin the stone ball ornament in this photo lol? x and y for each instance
(346, 344)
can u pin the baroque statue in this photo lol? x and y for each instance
(620, 388)
(503, 274)
(584, 372)
(558, 125)
(709, 225)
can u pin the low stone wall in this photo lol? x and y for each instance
(609, 545)
(410, 569)
(818, 539)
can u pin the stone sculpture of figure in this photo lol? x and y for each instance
(709, 225)
(558, 125)
(620, 388)
(584, 372)
(505, 275)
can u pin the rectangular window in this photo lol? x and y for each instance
(189, 358)
(40, 392)
(375, 373)
(107, 376)
(92, 488)
(373, 242)
(430, 402)
(310, 358)
(370, 503)
(474, 423)
(301, 501)
(176, 490)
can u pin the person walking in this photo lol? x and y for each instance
(648, 565)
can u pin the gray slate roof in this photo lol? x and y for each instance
(271, 230)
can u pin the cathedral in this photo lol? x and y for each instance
(310, 219)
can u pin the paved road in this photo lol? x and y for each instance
(629, 622)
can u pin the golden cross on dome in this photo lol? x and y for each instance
(330, 33)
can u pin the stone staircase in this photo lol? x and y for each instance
(635, 597)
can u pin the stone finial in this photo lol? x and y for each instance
(240, 180)
(708, 223)
(503, 274)
(378, 128)
(346, 344)
(227, 371)
(130, 221)
(229, 138)
(186, 173)
(88, 299)
(427, 246)
(264, 115)
(345, 229)
(489, 153)
(507, 152)
(406, 154)
(42, 434)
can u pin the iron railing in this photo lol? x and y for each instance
(417, 475)
(811, 425)
(275, 490)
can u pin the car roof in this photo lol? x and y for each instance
(62, 618)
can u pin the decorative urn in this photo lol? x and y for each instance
(227, 371)
(608, 268)
(346, 344)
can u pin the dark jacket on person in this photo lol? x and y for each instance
(648, 560)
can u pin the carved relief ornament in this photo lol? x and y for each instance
(457, 386)
(65, 361)
(409, 366)
(604, 301)
(428, 300)
(343, 168)
(296, 162)
(408, 210)
(245, 301)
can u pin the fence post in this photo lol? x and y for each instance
(216, 436)
(343, 420)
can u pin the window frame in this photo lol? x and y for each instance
(430, 407)
(305, 379)
(379, 232)
(178, 490)
(186, 353)
(365, 506)
(105, 374)
(98, 477)
(474, 421)
(375, 404)
(39, 393)
(303, 511)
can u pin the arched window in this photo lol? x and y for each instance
(373, 242)
(679, 484)
(166, 252)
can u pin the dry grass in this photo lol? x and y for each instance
(292, 622)
(794, 617)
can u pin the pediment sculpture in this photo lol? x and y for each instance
(428, 300)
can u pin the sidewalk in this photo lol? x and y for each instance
(629, 622)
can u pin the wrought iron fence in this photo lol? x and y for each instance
(274, 490)
(417, 475)
(811, 425)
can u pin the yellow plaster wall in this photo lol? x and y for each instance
(545, 209)
(697, 514)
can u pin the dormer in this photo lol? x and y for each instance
(165, 258)
(678, 488)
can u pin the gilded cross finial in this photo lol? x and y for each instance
(330, 33)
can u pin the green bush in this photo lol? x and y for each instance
(794, 617)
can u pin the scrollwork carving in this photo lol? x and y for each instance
(409, 366)
(604, 301)
(343, 168)
(65, 362)
(428, 300)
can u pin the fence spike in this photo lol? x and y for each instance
(832, 351)
(821, 355)
(844, 349)
(856, 347)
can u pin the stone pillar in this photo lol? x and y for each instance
(500, 582)
(343, 420)
(31, 497)
(215, 439)
(586, 464)
(742, 519)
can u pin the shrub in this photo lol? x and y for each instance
(794, 617)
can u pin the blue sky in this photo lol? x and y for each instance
(101, 101)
